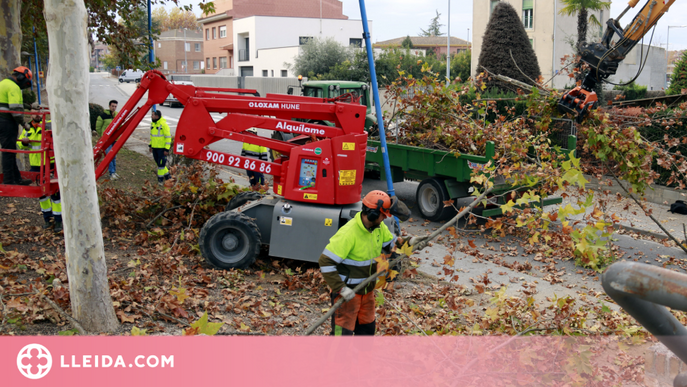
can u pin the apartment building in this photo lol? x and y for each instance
(180, 52)
(250, 38)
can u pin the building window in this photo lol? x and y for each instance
(284, 73)
(223, 62)
(207, 63)
(492, 5)
(532, 42)
(264, 73)
(207, 34)
(164, 65)
(197, 47)
(214, 63)
(196, 65)
(272, 73)
(355, 42)
(183, 65)
(302, 40)
(159, 44)
(222, 32)
(214, 33)
(527, 13)
(187, 47)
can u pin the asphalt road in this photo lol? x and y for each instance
(499, 260)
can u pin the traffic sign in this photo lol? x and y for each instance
(118, 68)
(40, 74)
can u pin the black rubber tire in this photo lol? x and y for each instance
(242, 198)
(230, 240)
(121, 81)
(430, 197)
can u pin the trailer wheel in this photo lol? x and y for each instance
(230, 240)
(430, 196)
(281, 137)
(242, 198)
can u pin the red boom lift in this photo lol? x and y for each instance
(317, 179)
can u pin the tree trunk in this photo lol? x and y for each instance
(68, 91)
(10, 36)
(582, 20)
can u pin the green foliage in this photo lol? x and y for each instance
(94, 110)
(319, 56)
(506, 50)
(407, 42)
(678, 81)
(631, 91)
(352, 69)
(126, 37)
(434, 28)
(174, 19)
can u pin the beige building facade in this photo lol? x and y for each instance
(552, 35)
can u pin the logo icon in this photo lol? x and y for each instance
(34, 361)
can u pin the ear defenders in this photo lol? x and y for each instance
(374, 213)
(23, 76)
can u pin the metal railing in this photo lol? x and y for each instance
(243, 55)
(642, 291)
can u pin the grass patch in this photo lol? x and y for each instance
(134, 170)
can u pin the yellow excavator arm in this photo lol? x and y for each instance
(603, 57)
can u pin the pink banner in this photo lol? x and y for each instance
(305, 361)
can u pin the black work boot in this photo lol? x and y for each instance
(58, 226)
(47, 224)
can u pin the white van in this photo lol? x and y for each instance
(171, 100)
(131, 76)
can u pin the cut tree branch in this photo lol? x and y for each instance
(64, 314)
(419, 246)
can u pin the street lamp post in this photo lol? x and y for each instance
(448, 46)
(668, 48)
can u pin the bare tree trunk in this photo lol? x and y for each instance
(10, 36)
(582, 18)
(68, 91)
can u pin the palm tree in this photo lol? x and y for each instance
(581, 8)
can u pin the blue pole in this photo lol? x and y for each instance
(378, 106)
(151, 57)
(35, 57)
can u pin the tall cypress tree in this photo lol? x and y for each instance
(505, 33)
(678, 81)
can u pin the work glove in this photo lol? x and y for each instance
(418, 242)
(347, 293)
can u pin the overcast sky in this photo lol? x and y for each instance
(397, 18)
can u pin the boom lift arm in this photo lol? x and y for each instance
(604, 57)
(327, 170)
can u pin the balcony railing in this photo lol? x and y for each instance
(243, 55)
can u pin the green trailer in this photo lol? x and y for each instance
(442, 175)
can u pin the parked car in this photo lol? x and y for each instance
(131, 76)
(171, 100)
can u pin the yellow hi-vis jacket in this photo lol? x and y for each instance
(34, 134)
(160, 136)
(11, 99)
(349, 258)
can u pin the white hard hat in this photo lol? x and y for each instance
(252, 130)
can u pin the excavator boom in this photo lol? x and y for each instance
(604, 57)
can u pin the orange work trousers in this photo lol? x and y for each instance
(355, 317)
